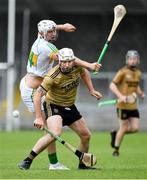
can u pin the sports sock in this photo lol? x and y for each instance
(116, 148)
(32, 155)
(53, 158)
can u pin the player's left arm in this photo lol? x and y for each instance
(91, 66)
(67, 27)
(140, 92)
(85, 75)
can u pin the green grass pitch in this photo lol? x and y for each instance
(131, 164)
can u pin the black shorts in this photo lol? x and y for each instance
(68, 114)
(125, 114)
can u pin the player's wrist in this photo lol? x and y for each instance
(142, 94)
(91, 91)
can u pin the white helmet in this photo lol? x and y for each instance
(46, 25)
(66, 54)
(132, 53)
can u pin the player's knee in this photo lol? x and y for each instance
(135, 129)
(86, 136)
(123, 130)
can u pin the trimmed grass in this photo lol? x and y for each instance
(131, 164)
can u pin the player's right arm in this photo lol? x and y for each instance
(37, 104)
(114, 87)
(91, 66)
(115, 90)
(67, 27)
(140, 92)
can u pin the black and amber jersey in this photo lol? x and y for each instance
(62, 88)
(127, 81)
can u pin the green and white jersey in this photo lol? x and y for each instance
(40, 62)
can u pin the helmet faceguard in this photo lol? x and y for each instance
(45, 26)
(66, 55)
(134, 56)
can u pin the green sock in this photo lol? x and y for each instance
(53, 158)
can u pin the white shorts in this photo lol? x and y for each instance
(27, 96)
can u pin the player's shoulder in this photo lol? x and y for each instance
(122, 70)
(51, 46)
(54, 72)
(138, 71)
(39, 44)
(45, 45)
(78, 68)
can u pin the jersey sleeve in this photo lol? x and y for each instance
(47, 50)
(52, 49)
(118, 77)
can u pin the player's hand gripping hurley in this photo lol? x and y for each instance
(87, 158)
(131, 99)
(119, 13)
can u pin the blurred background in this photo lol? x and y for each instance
(93, 20)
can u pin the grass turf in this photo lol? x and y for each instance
(131, 164)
